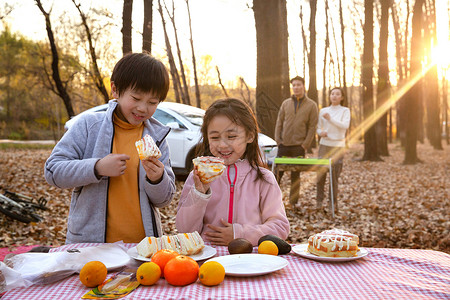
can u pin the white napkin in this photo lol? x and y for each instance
(43, 268)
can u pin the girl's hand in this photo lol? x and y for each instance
(323, 134)
(154, 169)
(199, 185)
(327, 116)
(112, 165)
(220, 236)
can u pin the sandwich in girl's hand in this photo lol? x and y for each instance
(147, 148)
(208, 167)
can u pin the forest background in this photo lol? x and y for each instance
(391, 57)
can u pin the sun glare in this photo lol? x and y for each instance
(441, 55)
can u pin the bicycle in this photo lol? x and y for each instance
(21, 207)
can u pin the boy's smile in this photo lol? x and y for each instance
(135, 107)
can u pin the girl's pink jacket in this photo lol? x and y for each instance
(257, 206)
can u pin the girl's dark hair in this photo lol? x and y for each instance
(241, 114)
(141, 72)
(342, 93)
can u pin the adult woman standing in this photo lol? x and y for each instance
(334, 121)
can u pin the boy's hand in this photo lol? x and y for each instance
(154, 169)
(199, 185)
(112, 165)
(221, 236)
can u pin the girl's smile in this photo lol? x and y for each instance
(227, 140)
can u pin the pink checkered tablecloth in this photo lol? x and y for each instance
(382, 274)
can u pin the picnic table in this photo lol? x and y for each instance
(381, 274)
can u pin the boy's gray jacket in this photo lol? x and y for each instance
(71, 165)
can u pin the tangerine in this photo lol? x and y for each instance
(268, 247)
(93, 273)
(161, 258)
(148, 273)
(181, 270)
(211, 273)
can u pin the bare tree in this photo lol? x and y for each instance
(305, 44)
(370, 138)
(312, 90)
(147, 27)
(126, 26)
(431, 80)
(172, 66)
(96, 76)
(247, 99)
(194, 63)
(414, 95)
(220, 82)
(59, 87)
(185, 96)
(325, 54)
(344, 76)
(383, 86)
(272, 74)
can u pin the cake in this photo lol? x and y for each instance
(333, 243)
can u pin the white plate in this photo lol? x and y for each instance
(250, 264)
(207, 252)
(302, 250)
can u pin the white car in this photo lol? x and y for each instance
(185, 122)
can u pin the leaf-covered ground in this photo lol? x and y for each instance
(386, 203)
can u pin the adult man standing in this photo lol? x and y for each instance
(295, 129)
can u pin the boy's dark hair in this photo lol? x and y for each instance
(241, 114)
(298, 78)
(141, 72)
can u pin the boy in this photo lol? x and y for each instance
(115, 194)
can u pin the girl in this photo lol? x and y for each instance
(245, 201)
(334, 121)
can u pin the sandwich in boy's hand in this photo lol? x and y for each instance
(183, 243)
(208, 167)
(147, 148)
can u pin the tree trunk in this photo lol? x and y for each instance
(414, 95)
(194, 63)
(172, 65)
(96, 76)
(370, 137)
(431, 83)
(147, 26)
(344, 76)
(383, 87)
(325, 52)
(272, 75)
(445, 130)
(60, 88)
(185, 95)
(126, 26)
(312, 90)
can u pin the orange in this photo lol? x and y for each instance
(148, 273)
(93, 273)
(161, 258)
(181, 270)
(211, 273)
(268, 247)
